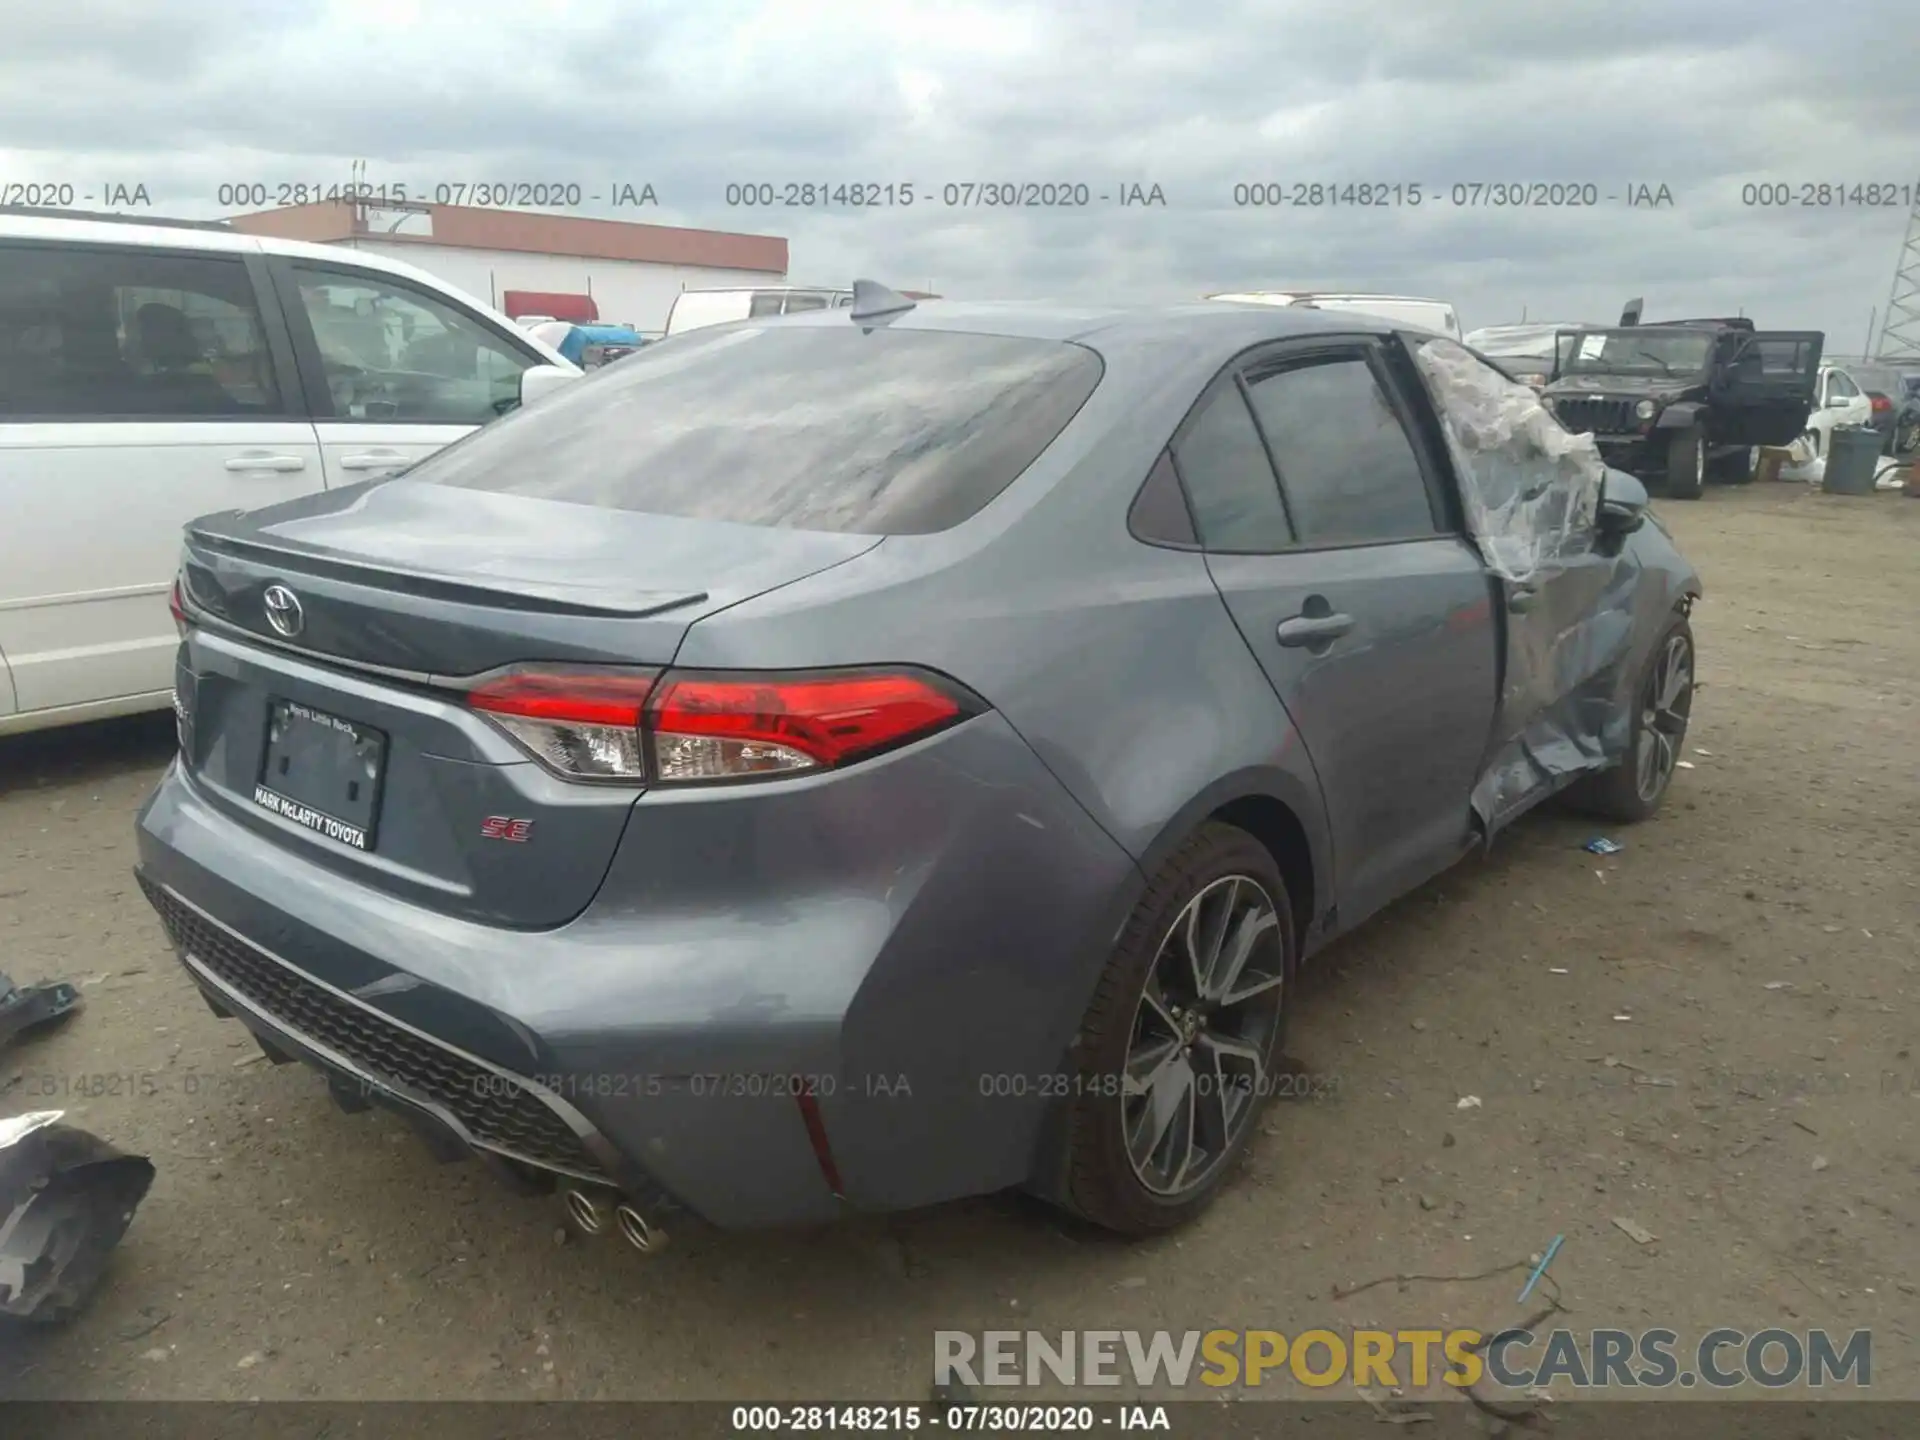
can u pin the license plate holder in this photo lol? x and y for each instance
(322, 773)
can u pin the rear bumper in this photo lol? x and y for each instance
(911, 944)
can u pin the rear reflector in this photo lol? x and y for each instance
(591, 723)
(1881, 404)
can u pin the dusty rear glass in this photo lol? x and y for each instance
(886, 432)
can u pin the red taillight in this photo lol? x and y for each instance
(582, 722)
(719, 727)
(177, 607)
(1881, 404)
(604, 724)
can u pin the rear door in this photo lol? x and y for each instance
(1763, 385)
(393, 370)
(139, 388)
(1357, 593)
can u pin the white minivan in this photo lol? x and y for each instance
(152, 372)
(696, 309)
(1436, 315)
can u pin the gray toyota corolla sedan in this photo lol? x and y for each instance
(850, 761)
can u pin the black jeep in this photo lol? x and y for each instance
(1678, 400)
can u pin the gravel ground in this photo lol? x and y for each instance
(1708, 1035)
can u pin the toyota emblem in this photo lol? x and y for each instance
(283, 610)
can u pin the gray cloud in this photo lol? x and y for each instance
(1704, 98)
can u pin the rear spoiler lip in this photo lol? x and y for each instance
(537, 596)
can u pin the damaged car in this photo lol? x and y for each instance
(1676, 401)
(851, 761)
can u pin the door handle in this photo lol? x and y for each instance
(373, 460)
(1520, 599)
(281, 463)
(1314, 629)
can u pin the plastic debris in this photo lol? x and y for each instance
(66, 1199)
(1531, 487)
(1684, 764)
(1634, 1231)
(27, 1007)
(1600, 845)
(1541, 1268)
(1467, 1102)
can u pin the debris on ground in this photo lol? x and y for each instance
(1634, 1231)
(1540, 1268)
(1467, 1102)
(1393, 1408)
(27, 1007)
(66, 1199)
(1601, 845)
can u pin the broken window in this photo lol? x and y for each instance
(1530, 486)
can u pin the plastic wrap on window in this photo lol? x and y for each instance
(1530, 487)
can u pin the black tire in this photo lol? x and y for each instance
(1736, 467)
(1687, 463)
(1112, 1149)
(1622, 792)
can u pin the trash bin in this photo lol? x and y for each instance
(1853, 453)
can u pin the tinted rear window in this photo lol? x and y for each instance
(892, 432)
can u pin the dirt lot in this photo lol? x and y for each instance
(1709, 1035)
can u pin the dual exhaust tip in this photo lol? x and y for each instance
(593, 1215)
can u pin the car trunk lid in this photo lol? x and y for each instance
(333, 721)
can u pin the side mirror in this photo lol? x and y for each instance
(539, 380)
(1623, 504)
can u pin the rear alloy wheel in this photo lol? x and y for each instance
(1180, 1040)
(1633, 789)
(1687, 463)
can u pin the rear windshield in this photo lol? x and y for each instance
(884, 432)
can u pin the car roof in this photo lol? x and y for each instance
(1230, 326)
(1267, 296)
(203, 236)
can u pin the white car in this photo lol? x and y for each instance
(1436, 315)
(154, 372)
(1837, 400)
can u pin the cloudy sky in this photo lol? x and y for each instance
(1705, 98)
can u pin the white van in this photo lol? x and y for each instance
(696, 309)
(153, 372)
(1434, 315)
